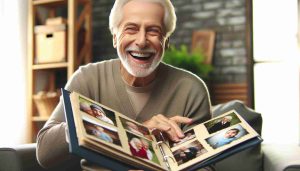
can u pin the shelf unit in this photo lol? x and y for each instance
(78, 16)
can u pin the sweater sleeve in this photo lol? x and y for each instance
(52, 147)
(198, 105)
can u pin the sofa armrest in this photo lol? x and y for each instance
(23, 158)
(281, 157)
(19, 158)
(249, 159)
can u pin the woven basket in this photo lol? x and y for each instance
(46, 102)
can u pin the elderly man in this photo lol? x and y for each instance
(137, 84)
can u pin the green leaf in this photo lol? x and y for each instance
(193, 62)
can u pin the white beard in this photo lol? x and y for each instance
(139, 70)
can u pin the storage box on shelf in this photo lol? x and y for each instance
(45, 102)
(50, 43)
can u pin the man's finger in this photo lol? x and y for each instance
(167, 126)
(175, 132)
(156, 122)
(176, 128)
(162, 123)
(181, 119)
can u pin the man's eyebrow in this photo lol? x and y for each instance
(130, 24)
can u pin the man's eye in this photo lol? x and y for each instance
(154, 31)
(130, 29)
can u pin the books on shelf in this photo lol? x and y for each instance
(109, 138)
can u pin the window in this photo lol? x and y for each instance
(13, 17)
(276, 69)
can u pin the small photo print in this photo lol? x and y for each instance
(141, 147)
(102, 132)
(135, 128)
(226, 136)
(188, 136)
(222, 123)
(189, 152)
(97, 111)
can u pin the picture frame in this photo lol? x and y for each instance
(204, 40)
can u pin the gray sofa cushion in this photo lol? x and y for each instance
(281, 157)
(247, 160)
(23, 158)
(19, 158)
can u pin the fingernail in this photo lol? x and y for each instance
(181, 134)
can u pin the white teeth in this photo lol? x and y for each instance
(140, 55)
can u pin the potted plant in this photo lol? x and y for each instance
(193, 62)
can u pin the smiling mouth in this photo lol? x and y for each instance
(144, 56)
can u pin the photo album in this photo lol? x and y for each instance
(109, 138)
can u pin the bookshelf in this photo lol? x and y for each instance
(51, 76)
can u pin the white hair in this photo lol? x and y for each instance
(133, 143)
(228, 118)
(116, 15)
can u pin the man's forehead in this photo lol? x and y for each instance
(147, 11)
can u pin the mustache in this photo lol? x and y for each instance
(146, 50)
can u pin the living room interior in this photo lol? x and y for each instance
(250, 47)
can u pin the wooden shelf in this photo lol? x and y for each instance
(50, 66)
(40, 118)
(37, 81)
(49, 2)
(54, 3)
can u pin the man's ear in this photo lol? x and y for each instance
(114, 41)
(167, 43)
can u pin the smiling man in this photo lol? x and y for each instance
(137, 84)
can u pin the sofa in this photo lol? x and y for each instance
(264, 157)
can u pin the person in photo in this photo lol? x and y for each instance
(107, 134)
(220, 124)
(133, 128)
(189, 152)
(85, 107)
(99, 114)
(99, 132)
(137, 149)
(145, 144)
(227, 138)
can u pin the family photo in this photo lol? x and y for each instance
(189, 152)
(141, 147)
(222, 123)
(135, 128)
(102, 132)
(226, 136)
(97, 111)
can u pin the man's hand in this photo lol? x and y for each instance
(168, 125)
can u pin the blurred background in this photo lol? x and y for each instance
(247, 49)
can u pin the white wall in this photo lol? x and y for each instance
(276, 75)
(13, 30)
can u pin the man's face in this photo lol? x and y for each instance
(225, 120)
(145, 145)
(138, 145)
(132, 125)
(140, 37)
(97, 113)
(230, 133)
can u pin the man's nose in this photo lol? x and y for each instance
(141, 39)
